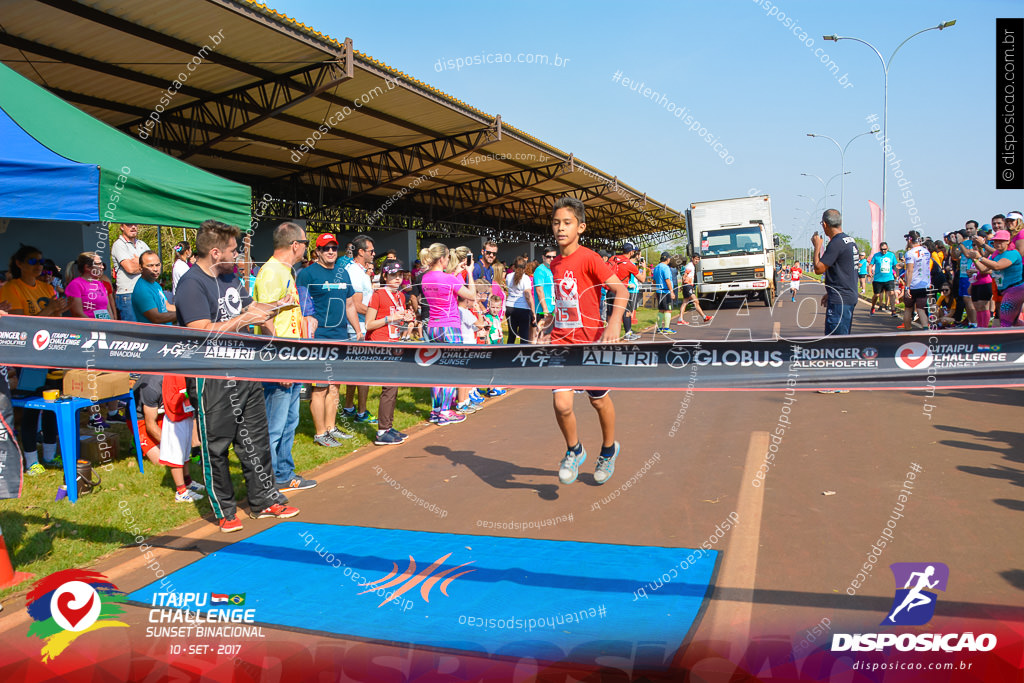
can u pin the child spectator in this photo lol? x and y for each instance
(385, 315)
(165, 419)
(492, 319)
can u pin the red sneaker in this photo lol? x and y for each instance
(707, 318)
(279, 511)
(682, 322)
(229, 524)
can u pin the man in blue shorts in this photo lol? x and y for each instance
(883, 278)
(327, 283)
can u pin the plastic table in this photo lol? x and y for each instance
(66, 410)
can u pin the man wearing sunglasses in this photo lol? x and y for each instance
(484, 268)
(328, 285)
(126, 251)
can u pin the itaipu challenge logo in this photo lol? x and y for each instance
(70, 603)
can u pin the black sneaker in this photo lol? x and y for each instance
(401, 435)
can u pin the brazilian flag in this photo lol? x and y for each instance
(237, 599)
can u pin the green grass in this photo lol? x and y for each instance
(44, 536)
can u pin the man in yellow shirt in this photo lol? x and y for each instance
(276, 281)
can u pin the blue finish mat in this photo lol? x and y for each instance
(495, 595)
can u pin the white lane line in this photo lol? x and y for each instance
(729, 620)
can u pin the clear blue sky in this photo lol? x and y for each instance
(743, 74)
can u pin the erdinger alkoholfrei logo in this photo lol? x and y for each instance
(69, 603)
(914, 356)
(914, 603)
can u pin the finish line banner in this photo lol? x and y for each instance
(923, 360)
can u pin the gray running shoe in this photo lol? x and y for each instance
(339, 435)
(606, 466)
(325, 440)
(569, 468)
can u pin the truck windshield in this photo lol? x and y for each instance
(731, 241)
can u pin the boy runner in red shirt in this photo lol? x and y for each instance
(579, 274)
(794, 279)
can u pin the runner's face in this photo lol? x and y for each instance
(566, 228)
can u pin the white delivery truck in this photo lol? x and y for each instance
(736, 244)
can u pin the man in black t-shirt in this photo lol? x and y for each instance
(839, 264)
(211, 297)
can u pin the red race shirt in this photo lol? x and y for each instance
(794, 273)
(386, 303)
(578, 279)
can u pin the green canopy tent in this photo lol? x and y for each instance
(59, 163)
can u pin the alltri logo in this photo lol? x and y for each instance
(914, 356)
(70, 603)
(914, 605)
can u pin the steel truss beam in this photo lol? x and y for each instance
(357, 178)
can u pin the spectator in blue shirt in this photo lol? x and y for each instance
(484, 268)
(665, 291)
(148, 301)
(327, 285)
(544, 288)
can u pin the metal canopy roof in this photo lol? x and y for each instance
(319, 130)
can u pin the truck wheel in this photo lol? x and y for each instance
(767, 295)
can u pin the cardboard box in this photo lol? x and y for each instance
(93, 385)
(97, 452)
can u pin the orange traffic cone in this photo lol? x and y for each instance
(9, 577)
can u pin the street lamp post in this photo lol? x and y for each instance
(842, 164)
(885, 94)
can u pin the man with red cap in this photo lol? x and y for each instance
(330, 289)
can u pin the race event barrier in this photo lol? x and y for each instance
(909, 361)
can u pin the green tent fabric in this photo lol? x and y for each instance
(137, 184)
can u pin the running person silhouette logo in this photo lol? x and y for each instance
(914, 603)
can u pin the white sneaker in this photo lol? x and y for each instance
(187, 496)
(196, 487)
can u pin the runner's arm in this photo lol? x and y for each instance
(613, 328)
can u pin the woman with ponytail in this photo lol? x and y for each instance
(443, 284)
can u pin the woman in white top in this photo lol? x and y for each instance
(182, 252)
(519, 304)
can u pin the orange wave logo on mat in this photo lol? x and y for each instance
(394, 579)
